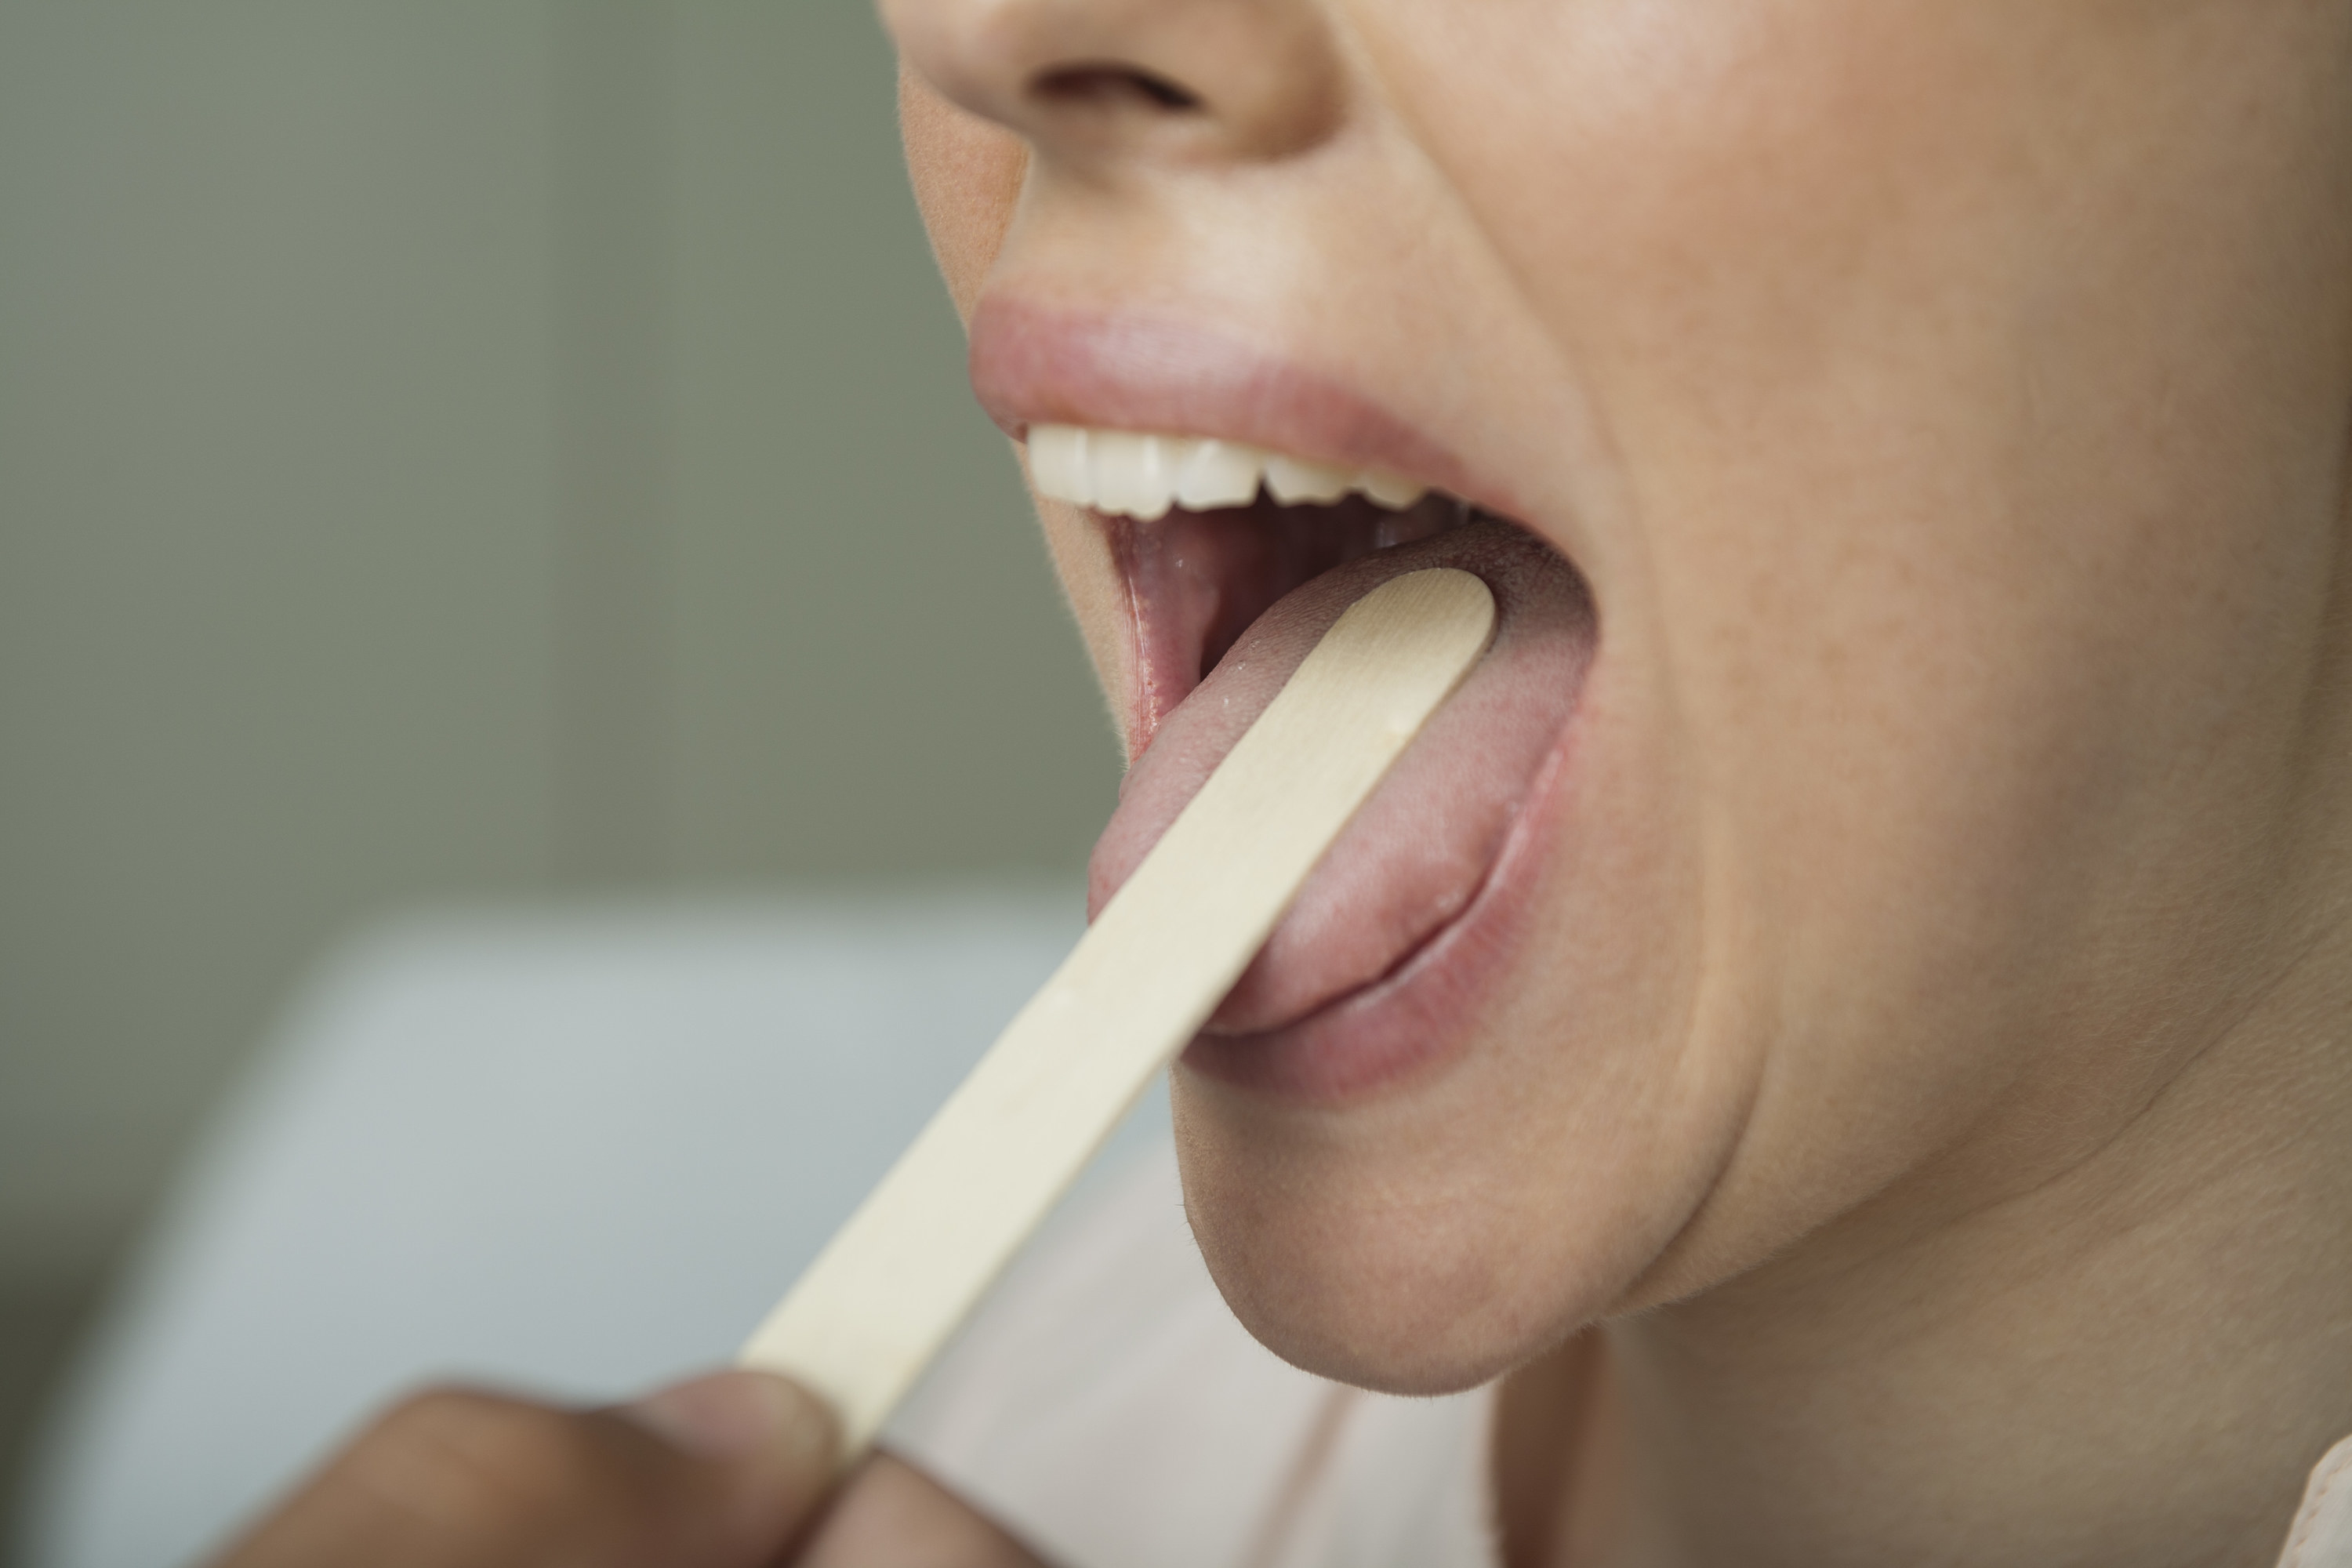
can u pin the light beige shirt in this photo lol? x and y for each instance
(1108, 1409)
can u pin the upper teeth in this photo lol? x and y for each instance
(1143, 476)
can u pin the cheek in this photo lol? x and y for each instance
(1974, 373)
(1971, 378)
(1979, 506)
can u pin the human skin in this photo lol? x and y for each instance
(728, 1470)
(1921, 1050)
(1923, 1046)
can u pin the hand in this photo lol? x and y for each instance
(724, 1471)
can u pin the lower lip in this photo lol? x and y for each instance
(1426, 1012)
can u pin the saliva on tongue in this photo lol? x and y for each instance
(1417, 852)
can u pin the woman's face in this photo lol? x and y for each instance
(1926, 734)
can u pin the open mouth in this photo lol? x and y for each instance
(1235, 561)
(1210, 534)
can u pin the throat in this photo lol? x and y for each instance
(1195, 581)
(1556, 1468)
(2119, 1368)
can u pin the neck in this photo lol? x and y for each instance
(2137, 1361)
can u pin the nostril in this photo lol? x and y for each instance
(1110, 86)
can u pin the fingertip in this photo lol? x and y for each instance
(738, 1414)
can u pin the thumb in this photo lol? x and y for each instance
(764, 1453)
(720, 1472)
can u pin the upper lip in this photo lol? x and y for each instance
(1036, 365)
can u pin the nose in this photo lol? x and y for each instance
(1089, 80)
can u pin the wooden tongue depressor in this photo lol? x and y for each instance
(894, 1282)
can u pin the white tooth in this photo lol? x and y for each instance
(1176, 454)
(1219, 473)
(1057, 462)
(1131, 473)
(1155, 482)
(1294, 479)
(1115, 463)
(1390, 491)
(1141, 475)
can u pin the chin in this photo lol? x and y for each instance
(1331, 1263)
(1540, 1172)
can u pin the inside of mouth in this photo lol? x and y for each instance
(1225, 607)
(1198, 580)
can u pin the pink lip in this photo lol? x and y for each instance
(1033, 364)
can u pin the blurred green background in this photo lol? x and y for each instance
(453, 452)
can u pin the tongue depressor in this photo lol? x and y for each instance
(894, 1283)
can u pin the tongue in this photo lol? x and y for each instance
(1417, 852)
